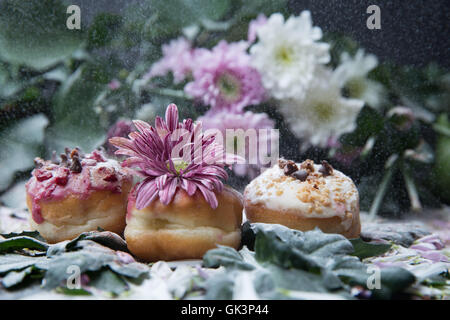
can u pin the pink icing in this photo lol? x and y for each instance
(131, 202)
(55, 182)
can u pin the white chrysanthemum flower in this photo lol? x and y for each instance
(323, 115)
(287, 54)
(352, 75)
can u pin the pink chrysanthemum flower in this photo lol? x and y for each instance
(254, 25)
(120, 129)
(173, 155)
(224, 79)
(178, 58)
(114, 84)
(247, 121)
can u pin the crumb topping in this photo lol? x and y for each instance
(318, 190)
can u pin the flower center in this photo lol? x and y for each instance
(229, 86)
(179, 164)
(355, 87)
(284, 55)
(324, 111)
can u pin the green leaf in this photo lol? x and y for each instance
(326, 255)
(13, 262)
(368, 123)
(32, 234)
(262, 280)
(352, 271)
(22, 242)
(88, 256)
(298, 280)
(34, 33)
(15, 277)
(20, 145)
(365, 249)
(441, 170)
(73, 292)
(393, 280)
(15, 196)
(109, 281)
(219, 287)
(150, 22)
(173, 15)
(225, 256)
(8, 86)
(293, 248)
(106, 238)
(400, 233)
(75, 121)
(104, 29)
(250, 9)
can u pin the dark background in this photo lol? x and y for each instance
(413, 32)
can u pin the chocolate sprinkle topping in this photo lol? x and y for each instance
(76, 165)
(54, 159)
(64, 160)
(282, 163)
(301, 175)
(74, 154)
(38, 162)
(326, 169)
(290, 168)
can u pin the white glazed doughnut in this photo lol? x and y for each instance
(304, 196)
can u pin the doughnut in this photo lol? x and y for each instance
(185, 228)
(304, 196)
(82, 192)
(180, 208)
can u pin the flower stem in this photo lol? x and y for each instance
(168, 92)
(412, 191)
(381, 192)
(441, 129)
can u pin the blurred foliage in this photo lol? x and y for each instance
(61, 87)
(34, 33)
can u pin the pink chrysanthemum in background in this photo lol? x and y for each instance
(120, 129)
(224, 120)
(224, 79)
(178, 58)
(253, 27)
(114, 84)
(198, 166)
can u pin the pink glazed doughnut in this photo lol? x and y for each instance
(77, 194)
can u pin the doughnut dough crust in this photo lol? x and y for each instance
(330, 202)
(185, 228)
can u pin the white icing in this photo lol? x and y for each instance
(109, 163)
(120, 172)
(278, 192)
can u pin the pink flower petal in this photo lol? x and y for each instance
(150, 151)
(172, 117)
